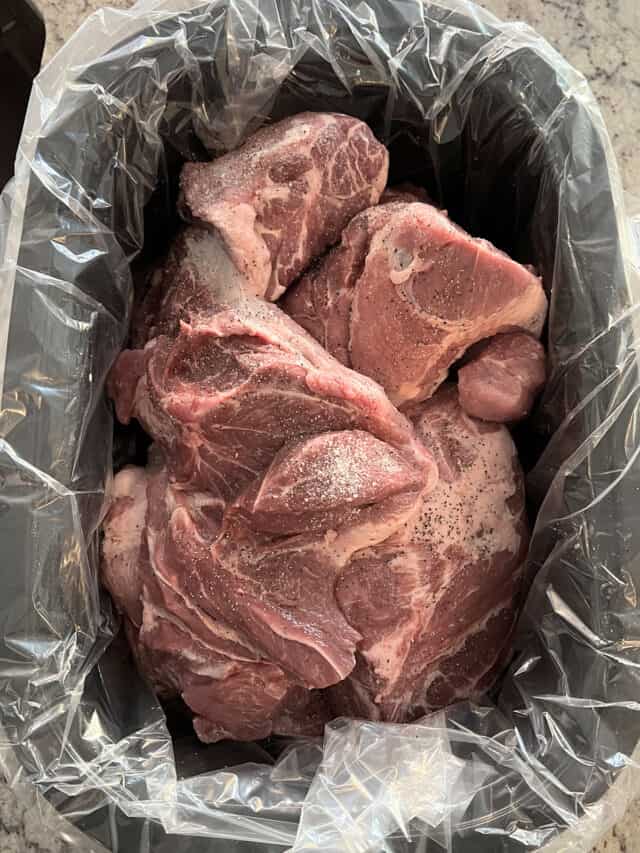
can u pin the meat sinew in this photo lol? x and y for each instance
(230, 391)
(502, 378)
(283, 197)
(407, 292)
(435, 603)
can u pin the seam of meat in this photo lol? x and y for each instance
(212, 627)
(219, 670)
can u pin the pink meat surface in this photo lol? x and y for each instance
(321, 302)
(286, 546)
(196, 278)
(281, 464)
(404, 192)
(237, 604)
(227, 393)
(124, 545)
(297, 547)
(407, 292)
(180, 648)
(435, 603)
(502, 378)
(283, 197)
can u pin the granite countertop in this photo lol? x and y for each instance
(599, 37)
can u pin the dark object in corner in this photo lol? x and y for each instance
(22, 34)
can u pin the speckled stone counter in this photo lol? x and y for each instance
(599, 37)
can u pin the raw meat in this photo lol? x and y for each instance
(429, 291)
(297, 547)
(322, 300)
(283, 464)
(197, 278)
(502, 378)
(407, 292)
(404, 192)
(179, 647)
(123, 380)
(208, 659)
(288, 536)
(436, 602)
(238, 610)
(229, 698)
(225, 395)
(326, 482)
(301, 713)
(283, 197)
(124, 545)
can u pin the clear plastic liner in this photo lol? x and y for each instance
(505, 135)
(396, 775)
